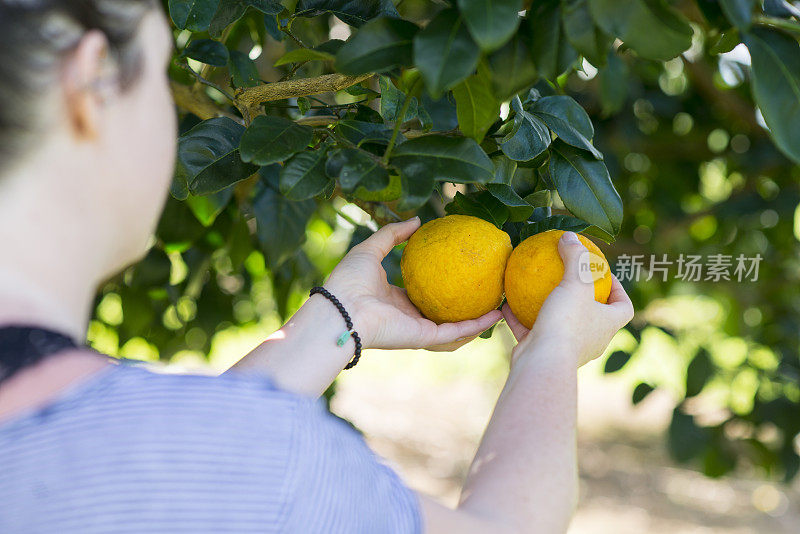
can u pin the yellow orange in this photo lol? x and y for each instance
(453, 267)
(535, 268)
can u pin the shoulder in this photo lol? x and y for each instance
(236, 397)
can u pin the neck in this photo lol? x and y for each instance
(50, 261)
(46, 300)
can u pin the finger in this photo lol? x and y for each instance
(620, 303)
(617, 291)
(388, 236)
(450, 347)
(517, 328)
(573, 253)
(449, 332)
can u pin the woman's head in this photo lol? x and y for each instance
(86, 118)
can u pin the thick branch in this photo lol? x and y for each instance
(253, 96)
(317, 120)
(197, 102)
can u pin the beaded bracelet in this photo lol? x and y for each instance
(342, 339)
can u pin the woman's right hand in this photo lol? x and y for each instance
(570, 316)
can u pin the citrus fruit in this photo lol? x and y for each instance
(453, 267)
(535, 268)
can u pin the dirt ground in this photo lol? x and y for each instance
(425, 413)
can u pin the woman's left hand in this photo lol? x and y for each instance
(382, 314)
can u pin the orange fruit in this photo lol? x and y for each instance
(453, 267)
(535, 268)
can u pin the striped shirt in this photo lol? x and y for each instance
(131, 451)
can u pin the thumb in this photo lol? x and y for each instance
(571, 249)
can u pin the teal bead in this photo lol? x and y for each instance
(343, 338)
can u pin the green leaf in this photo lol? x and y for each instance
(781, 8)
(178, 227)
(304, 176)
(303, 104)
(685, 439)
(776, 86)
(600, 234)
(518, 209)
(487, 334)
(726, 42)
(271, 139)
(206, 208)
(281, 224)
(528, 138)
(361, 132)
(392, 100)
(613, 81)
(555, 222)
(207, 51)
(579, 28)
(240, 243)
(568, 120)
(476, 107)
(442, 112)
(718, 459)
(451, 159)
(512, 68)
(193, 15)
(540, 199)
(738, 12)
(137, 311)
(153, 270)
(650, 27)
(243, 70)
(481, 204)
(208, 156)
(416, 189)
(229, 11)
(491, 22)
(353, 12)
(698, 373)
(641, 391)
(444, 52)
(393, 191)
(616, 361)
(354, 167)
(585, 188)
(504, 169)
(359, 90)
(271, 25)
(551, 51)
(298, 55)
(379, 46)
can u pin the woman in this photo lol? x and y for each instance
(87, 137)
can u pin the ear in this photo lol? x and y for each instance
(83, 73)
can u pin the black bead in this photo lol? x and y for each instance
(348, 321)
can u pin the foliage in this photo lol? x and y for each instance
(470, 107)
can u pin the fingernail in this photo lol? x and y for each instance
(570, 237)
(415, 217)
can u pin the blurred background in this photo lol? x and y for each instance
(689, 423)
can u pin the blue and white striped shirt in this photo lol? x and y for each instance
(131, 451)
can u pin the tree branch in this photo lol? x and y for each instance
(380, 212)
(317, 120)
(775, 22)
(249, 98)
(201, 79)
(400, 117)
(197, 102)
